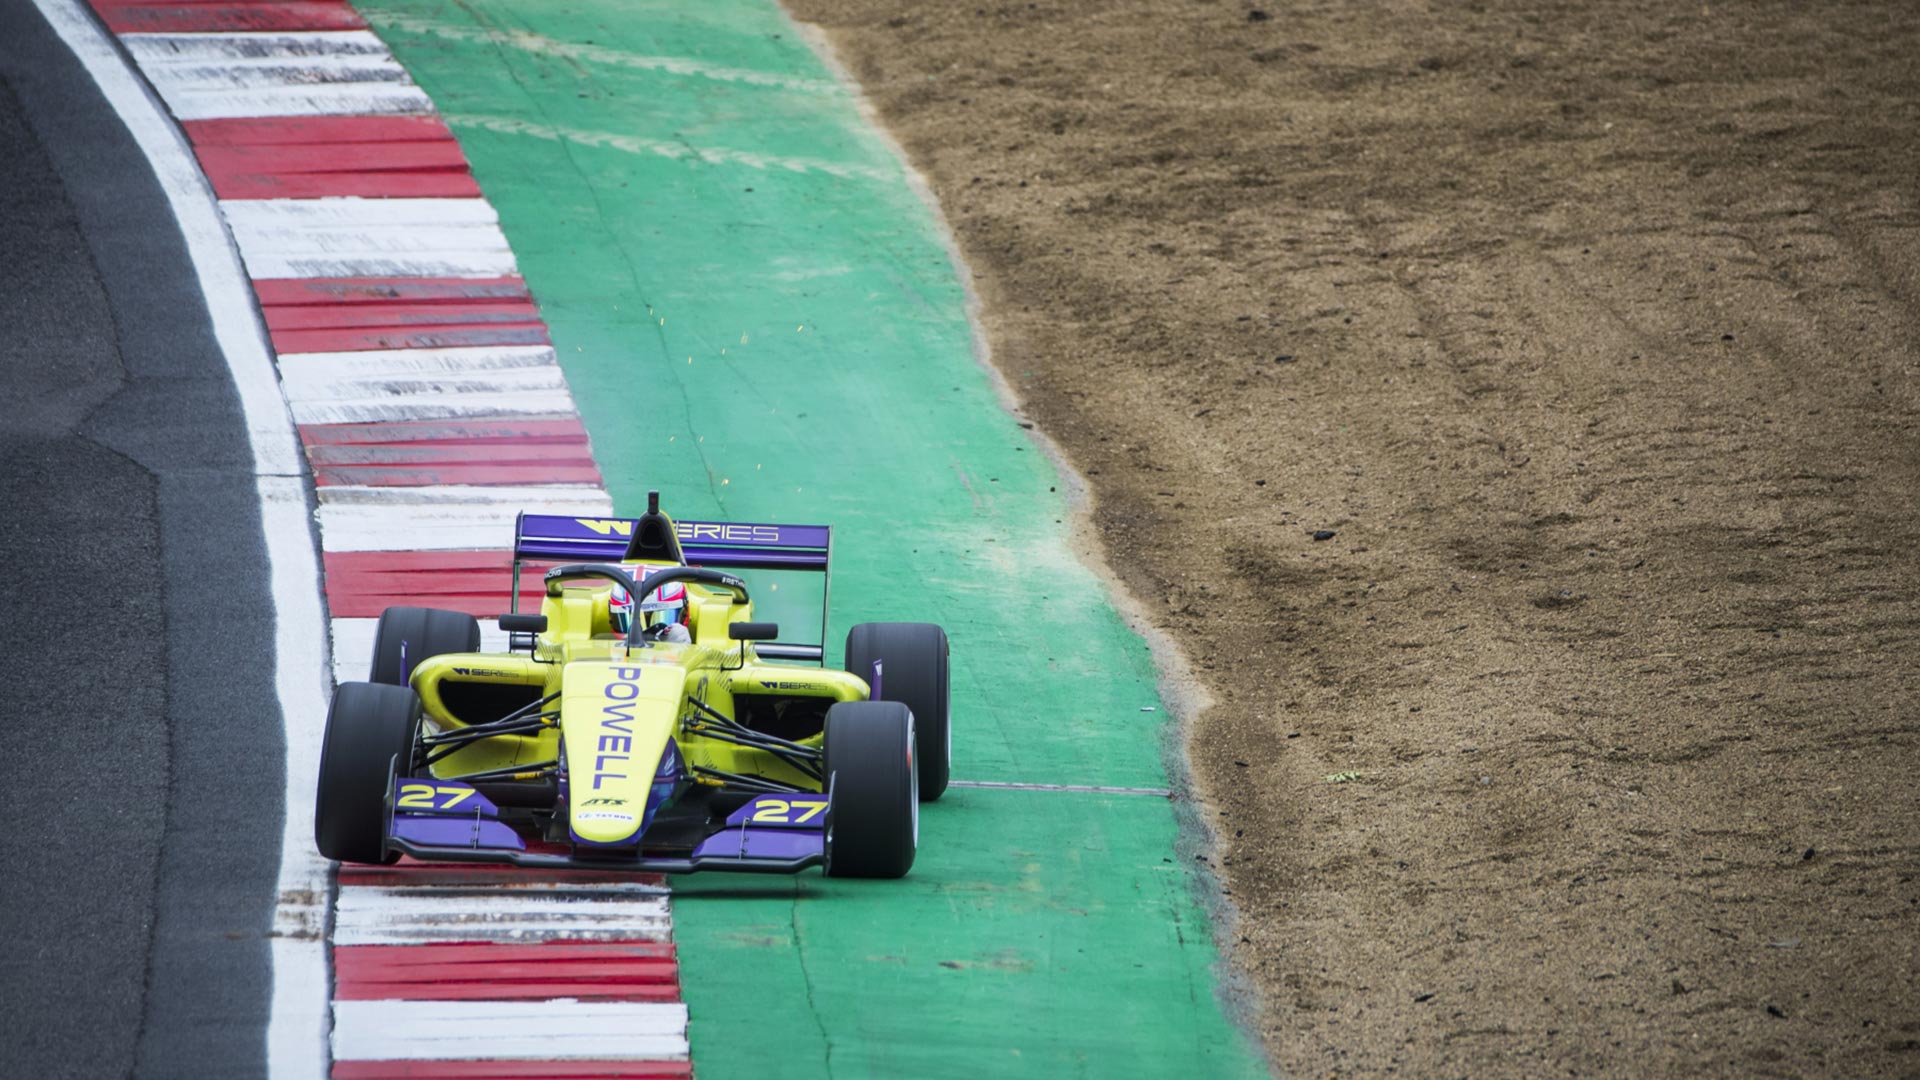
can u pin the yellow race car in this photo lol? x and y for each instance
(642, 720)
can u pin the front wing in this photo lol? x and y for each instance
(447, 821)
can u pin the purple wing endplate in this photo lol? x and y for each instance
(771, 827)
(449, 831)
(751, 842)
(447, 813)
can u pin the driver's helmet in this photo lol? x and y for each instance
(667, 604)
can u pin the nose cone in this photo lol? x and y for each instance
(617, 721)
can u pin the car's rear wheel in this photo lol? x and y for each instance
(873, 814)
(371, 730)
(907, 663)
(407, 635)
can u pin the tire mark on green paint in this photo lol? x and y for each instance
(655, 321)
(979, 504)
(679, 149)
(531, 42)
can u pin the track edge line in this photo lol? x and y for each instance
(300, 1012)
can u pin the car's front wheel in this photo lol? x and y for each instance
(873, 812)
(407, 635)
(371, 731)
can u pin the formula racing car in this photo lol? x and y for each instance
(642, 720)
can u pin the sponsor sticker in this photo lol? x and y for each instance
(614, 749)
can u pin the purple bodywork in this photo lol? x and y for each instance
(772, 833)
(782, 812)
(446, 813)
(472, 832)
(772, 827)
(751, 842)
(734, 544)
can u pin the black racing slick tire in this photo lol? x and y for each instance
(911, 669)
(407, 635)
(873, 806)
(371, 730)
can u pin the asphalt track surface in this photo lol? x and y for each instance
(141, 855)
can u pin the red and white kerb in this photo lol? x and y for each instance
(432, 409)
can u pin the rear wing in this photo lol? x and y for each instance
(719, 545)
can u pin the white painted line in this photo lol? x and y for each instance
(443, 518)
(353, 237)
(418, 404)
(346, 237)
(521, 1030)
(353, 640)
(423, 384)
(371, 241)
(357, 213)
(298, 1014)
(320, 368)
(461, 494)
(209, 76)
(422, 402)
(1095, 789)
(252, 45)
(173, 78)
(352, 99)
(537, 911)
(477, 264)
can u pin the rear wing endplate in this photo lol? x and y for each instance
(720, 545)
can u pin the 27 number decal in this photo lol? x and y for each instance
(782, 811)
(424, 796)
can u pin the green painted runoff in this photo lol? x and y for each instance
(757, 318)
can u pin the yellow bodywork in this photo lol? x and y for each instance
(619, 706)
